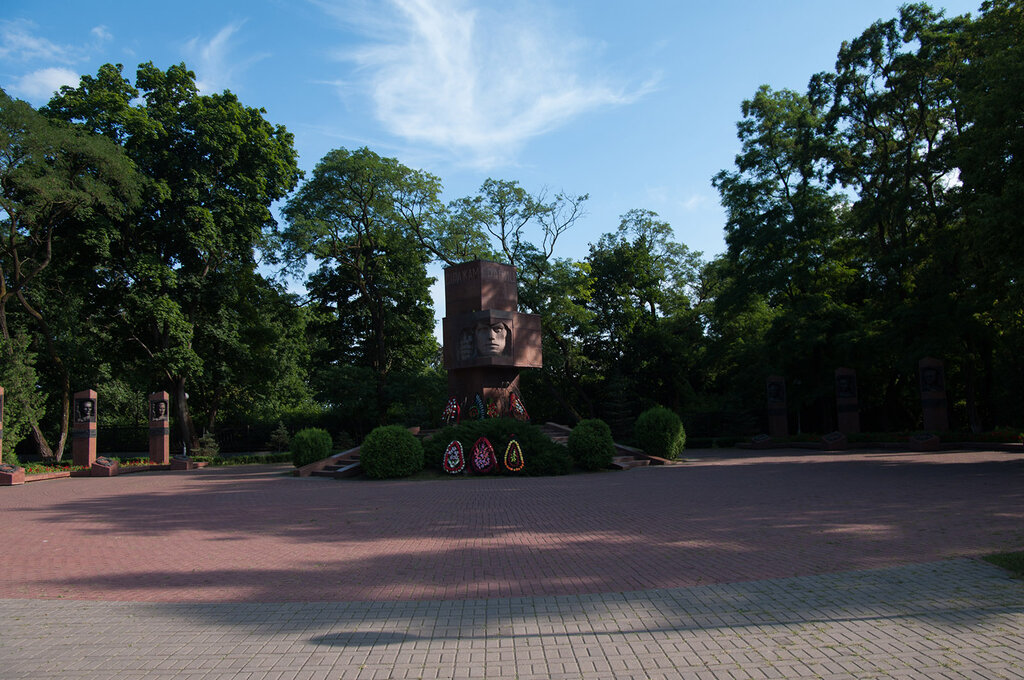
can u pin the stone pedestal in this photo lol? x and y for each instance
(1, 423)
(486, 339)
(159, 429)
(778, 418)
(847, 408)
(11, 475)
(834, 441)
(83, 431)
(934, 408)
(104, 467)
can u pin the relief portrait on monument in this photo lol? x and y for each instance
(846, 386)
(776, 391)
(159, 410)
(931, 379)
(484, 337)
(85, 411)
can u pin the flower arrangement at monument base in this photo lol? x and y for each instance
(537, 454)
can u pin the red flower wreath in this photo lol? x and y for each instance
(454, 459)
(451, 412)
(517, 408)
(483, 459)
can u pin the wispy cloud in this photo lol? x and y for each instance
(215, 62)
(479, 81)
(101, 33)
(18, 42)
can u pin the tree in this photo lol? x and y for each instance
(62, 189)
(358, 217)
(214, 166)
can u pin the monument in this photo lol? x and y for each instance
(487, 340)
(159, 429)
(933, 395)
(847, 409)
(778, 418)
(83, 433)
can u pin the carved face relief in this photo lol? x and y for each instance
(159, 410)
(85, 411)
(491, 339)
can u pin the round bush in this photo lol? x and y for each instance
(391, 451)
(591, 445)
(659, 432)
(310, 445)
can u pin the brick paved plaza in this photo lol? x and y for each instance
(760, 565)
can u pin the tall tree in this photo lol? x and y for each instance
(358, 217)
(214, 167)
(60, 190)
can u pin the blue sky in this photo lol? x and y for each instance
(634, 103)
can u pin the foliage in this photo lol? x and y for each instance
(279, 439)
(591, 445)
(357, 217)
(22, 404)
(62, 190)
(183, 266)
(391, 451)
(542, 456)
(310, 445)
(659, 432)
(208, 446)
(1012, 562)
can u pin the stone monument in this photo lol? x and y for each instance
(83, 434)
(778, 418)
(159, 429)
(486, 339)
(932, 379)
(847, 410)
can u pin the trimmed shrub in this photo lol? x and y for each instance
(310, 445)
(391, 451)
(659, 432)
(591, 445)
(541, 455)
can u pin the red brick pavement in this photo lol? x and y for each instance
(255, 534)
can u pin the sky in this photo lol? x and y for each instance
(634, 103)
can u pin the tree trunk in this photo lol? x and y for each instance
(185, 424)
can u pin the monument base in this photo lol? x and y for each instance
(11, 475)
(493, 384)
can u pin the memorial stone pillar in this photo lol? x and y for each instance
(932, 379)
(159, 429)
(847, 408)
(778, 418)
(486, 339)
(1, 423)
(83, 433)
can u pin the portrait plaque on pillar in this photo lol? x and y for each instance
(83, 433)
(932, 379)
(775, 395)
(847, 408)
(159, 429)
(486, 338)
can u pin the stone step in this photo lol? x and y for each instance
(629, 462)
